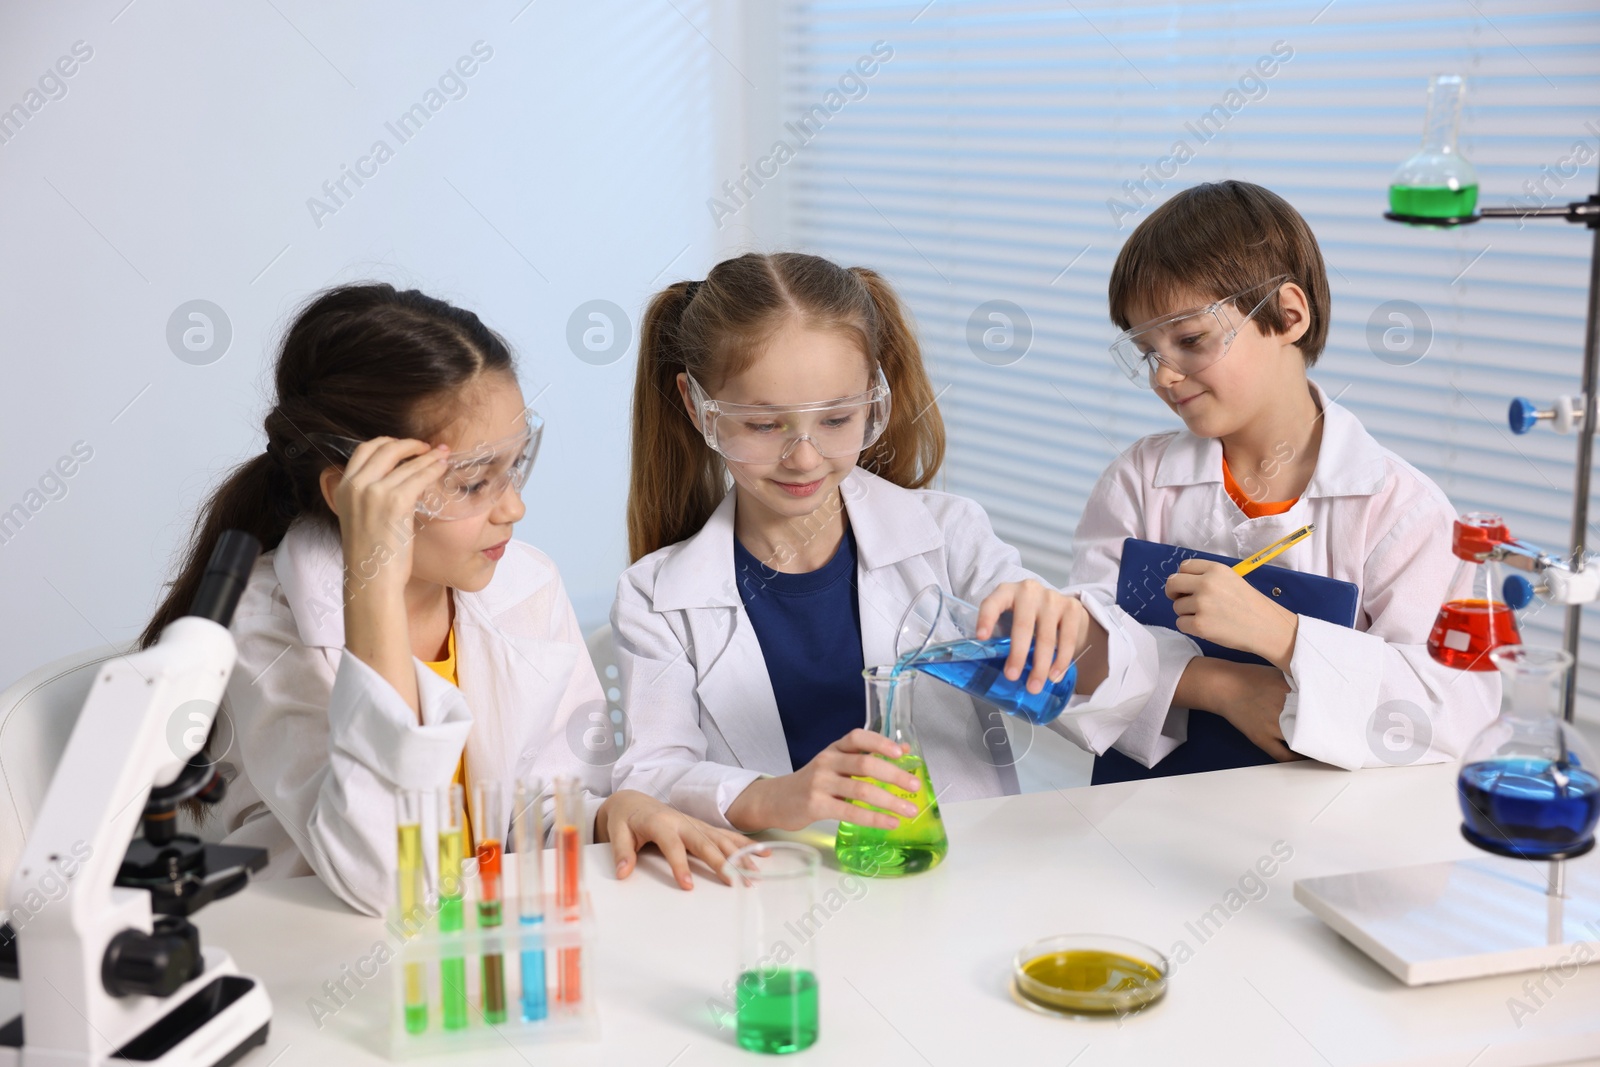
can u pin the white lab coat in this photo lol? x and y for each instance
(1381, 524)
(320, 742)
(705, 720)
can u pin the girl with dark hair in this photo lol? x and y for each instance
(393, 635)
(784, 429)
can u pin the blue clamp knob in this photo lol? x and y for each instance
(1518, 592)
(1523, 415)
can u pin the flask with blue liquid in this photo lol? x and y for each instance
(1529, 786)
(938, 636)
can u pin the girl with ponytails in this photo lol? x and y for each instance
(784, 434)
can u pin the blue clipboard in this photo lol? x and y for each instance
(1213, 743)
(1142, 591)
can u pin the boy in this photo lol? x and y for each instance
(1225, 290)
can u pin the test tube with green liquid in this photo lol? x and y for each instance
(490, 817)
(411, 890)
(452, 849)
(527, 837)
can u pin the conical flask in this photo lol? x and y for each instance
(1437, 182)
(1528, 785)
(1477, 619)
(918, 843)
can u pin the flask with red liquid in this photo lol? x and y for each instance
(1477, 619)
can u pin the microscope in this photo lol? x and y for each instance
(99, 935)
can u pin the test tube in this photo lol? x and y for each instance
(569, 885)
(490, 817)
(527, 837)
(411, 891)
(452, 850)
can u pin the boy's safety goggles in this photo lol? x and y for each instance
(762, 433)
(1188, 341)
(474, 479)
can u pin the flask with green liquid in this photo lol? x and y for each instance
(918, 843)
(1437, 182)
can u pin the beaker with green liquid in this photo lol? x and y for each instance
(1437, 182)
(775, 993)
(918, 843)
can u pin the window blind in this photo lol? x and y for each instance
(1004, 152)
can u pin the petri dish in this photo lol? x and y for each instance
(1088, 975)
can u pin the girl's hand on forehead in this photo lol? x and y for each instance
(376, 502)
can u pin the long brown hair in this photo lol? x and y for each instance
(359, 361)
(713, 330)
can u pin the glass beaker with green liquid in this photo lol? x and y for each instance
(775, 994)
(1437, 182)
(918, 843)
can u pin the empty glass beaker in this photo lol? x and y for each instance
(775, 994)
(1437, 182)
(919, 842)
(1528, 785)
(1477, 619)
(939, 636)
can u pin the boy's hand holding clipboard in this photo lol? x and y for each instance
(1155, 581)
(1212, 600)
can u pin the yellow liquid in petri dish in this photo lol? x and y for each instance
(1090, 981)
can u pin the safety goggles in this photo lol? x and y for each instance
(764, 433)
(474, 479)
(1188, 342)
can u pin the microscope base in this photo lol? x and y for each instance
(214, 1026)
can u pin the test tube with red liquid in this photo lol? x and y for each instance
(491, 812)
(569, 885)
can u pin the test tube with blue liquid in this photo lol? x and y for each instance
(527, 838)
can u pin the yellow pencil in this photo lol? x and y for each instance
(1245, 566)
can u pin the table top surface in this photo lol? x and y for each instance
(915, 970)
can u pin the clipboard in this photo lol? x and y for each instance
(1142, 593)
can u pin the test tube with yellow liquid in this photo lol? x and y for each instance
(411, 893)
(919, 843)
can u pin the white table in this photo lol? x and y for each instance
(914, 971)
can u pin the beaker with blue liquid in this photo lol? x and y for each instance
(938, 636)
(1528, 786)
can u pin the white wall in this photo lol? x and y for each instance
(177, 166)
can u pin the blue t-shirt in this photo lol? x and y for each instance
(809, 627)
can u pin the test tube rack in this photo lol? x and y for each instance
(428, 947)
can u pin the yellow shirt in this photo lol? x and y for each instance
(446, 669)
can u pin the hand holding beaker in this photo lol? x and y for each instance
(847, 770)
(942, 635)
(1059, 624)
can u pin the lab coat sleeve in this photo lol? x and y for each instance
(326, 747)
(980, 561)
(1112, 514)
(1375, 697)
(667, 755)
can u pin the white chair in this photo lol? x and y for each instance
(36, 718)
(603, 651)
